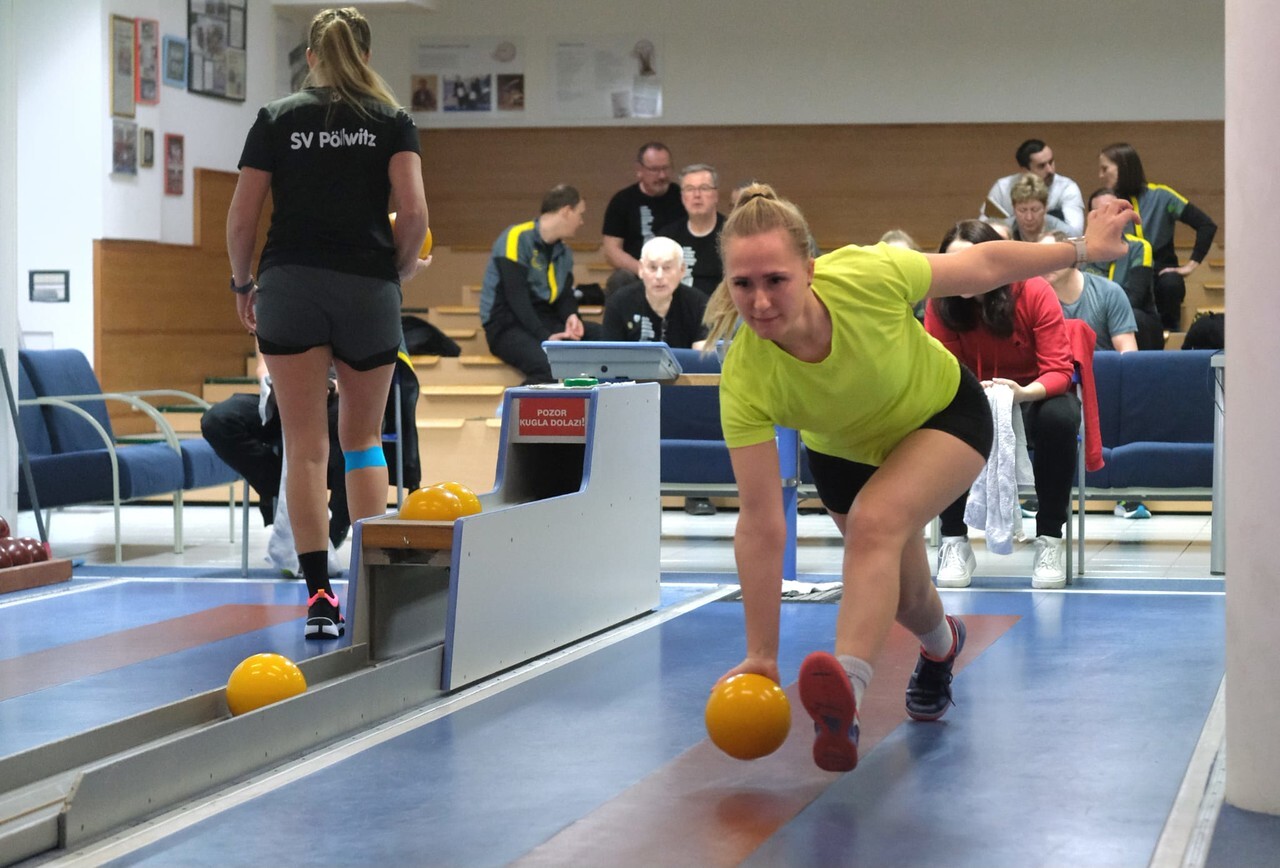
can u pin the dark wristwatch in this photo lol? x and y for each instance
(242, 290)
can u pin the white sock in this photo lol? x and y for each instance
(937, 642)
(859, 672)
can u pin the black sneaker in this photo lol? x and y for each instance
(324, 620)
(929, 690)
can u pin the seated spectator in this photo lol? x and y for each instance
(527, 296)
(699, 234)
(899, 238)
(1098, 301)
(1064, 201)
(1158, 209)
(1014, 336)
(244, 431)
(635, 213)
(1135, 275)
(1031, 219)
(662, 308)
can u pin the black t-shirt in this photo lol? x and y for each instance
(634, 217)
(628, 317)
(329, 182)
(703, 269)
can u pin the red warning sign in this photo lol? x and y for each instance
(559, 420)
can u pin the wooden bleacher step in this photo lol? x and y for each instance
(460, 400)
(217, 389)
(185, 418)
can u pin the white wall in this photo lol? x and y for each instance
(860, 61)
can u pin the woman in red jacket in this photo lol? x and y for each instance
(1014, 335)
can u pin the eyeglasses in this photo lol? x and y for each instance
(704, 188)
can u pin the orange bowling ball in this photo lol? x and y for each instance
(470, 503)
(431, 504)
(426, 242)
(261, 680)
(748, 716)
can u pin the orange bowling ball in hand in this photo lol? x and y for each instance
(748, 716)
(426, 242)
(470, 503)
(431, 504)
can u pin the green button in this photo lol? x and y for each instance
(581, 381)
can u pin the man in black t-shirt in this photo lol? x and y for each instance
(661, 307)
(635, 213)
(699, 235)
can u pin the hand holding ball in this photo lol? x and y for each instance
(426, 242)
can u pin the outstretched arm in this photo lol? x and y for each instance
(983, 267)
(758, 544)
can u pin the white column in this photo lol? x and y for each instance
(8, 254)
(1253, 399)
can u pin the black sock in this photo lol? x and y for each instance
(315, 570)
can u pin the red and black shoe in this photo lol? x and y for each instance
(929, 690)
(827, 695)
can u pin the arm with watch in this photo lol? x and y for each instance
(983, 267)
(242, 234)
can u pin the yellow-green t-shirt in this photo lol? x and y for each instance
(883, 378)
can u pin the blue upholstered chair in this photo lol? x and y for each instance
(75, 458)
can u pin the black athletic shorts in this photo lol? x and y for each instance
(300, 307)
(967, 418)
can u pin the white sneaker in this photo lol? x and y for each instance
(1048, 571)
(956, 562)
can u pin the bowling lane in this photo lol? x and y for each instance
(1078, 721)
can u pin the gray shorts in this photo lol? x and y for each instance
(300, 307)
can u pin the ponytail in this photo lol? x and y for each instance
(759, 209)
(340, 40)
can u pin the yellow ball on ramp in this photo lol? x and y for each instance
(261, 680)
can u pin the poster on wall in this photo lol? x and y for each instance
(124, 147)
(123, 103)
(606, 78)
(147, 66)
(485, 74)
(173, 164)
(175, 62)
(146, 148)
(216, 41)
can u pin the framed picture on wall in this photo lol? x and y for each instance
(147, 67)
(216, 42)
(174, 160)
(175, 61)
(146, 147)
(123, 38)
(124, 147)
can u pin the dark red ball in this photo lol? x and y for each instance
(37, 549)
(19, 553)
(4, 527)
(6, 559)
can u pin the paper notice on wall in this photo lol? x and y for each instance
(606, 78)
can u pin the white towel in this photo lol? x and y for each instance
(993, 500)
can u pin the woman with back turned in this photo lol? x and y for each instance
(336, 157)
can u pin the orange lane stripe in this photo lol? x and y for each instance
(54, 666)
(706, 809)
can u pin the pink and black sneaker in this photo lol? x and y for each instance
(324, 620)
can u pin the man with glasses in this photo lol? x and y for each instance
(699, 235)
(635, 213)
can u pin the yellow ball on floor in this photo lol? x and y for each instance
(748, 716)
(261, 680)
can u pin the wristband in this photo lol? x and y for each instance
(247, 287)
(1082, 253)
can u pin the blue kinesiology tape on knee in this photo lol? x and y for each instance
(371, 457)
